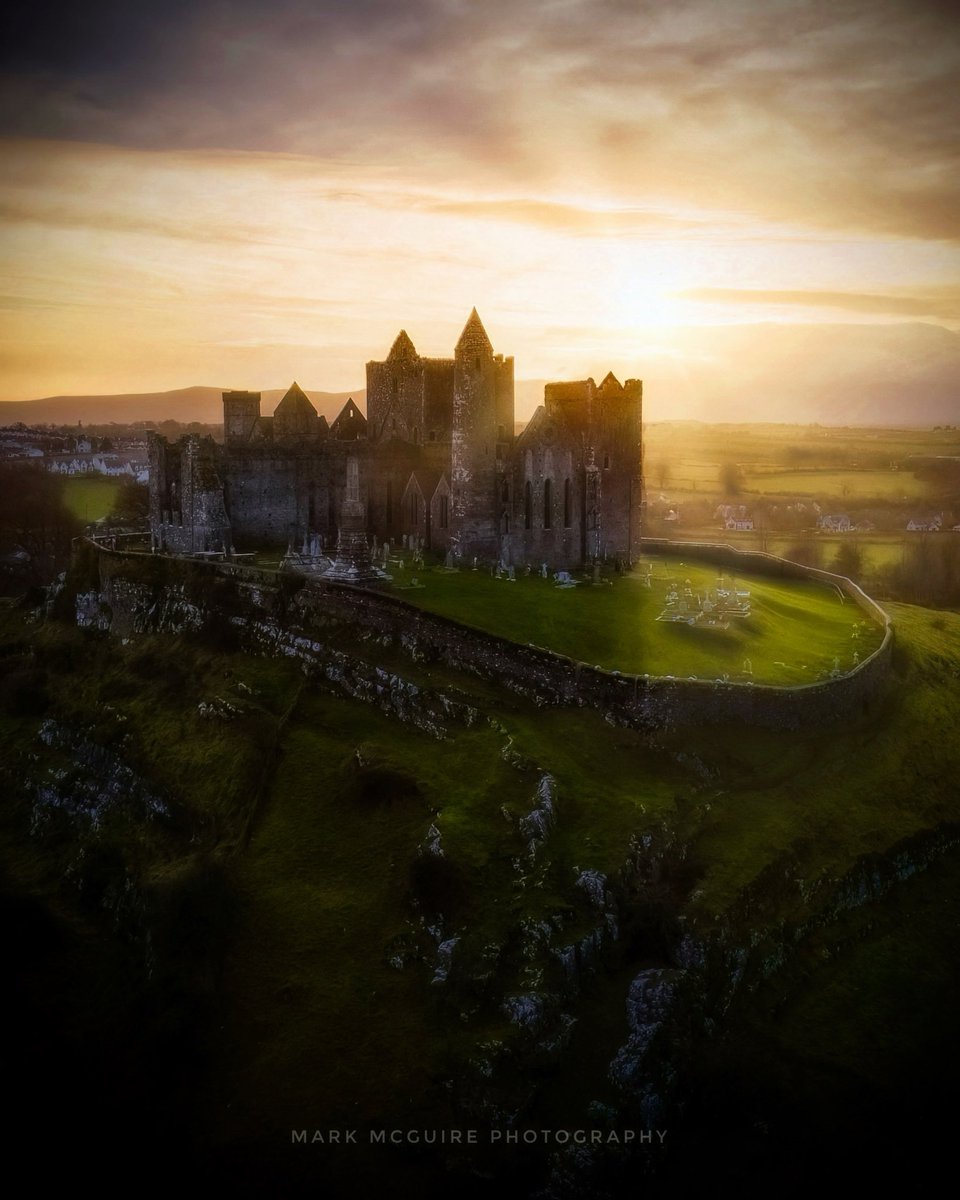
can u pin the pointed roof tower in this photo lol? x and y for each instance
(474, 338)
(296, 403)
(350, 423)
(402, 347)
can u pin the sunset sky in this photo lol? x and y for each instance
(240, 194)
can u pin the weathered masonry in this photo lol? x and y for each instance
(435, 460)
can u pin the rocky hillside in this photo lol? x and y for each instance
(250, 890)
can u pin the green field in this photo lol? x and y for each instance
(830, 483)
(876, 551)
(688, 464)
(90, 498)
(795, 631)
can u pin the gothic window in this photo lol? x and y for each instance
(396, 385)
(504, 491)
(504, 522)
(606, 462)
(567, 504)
(444, 512)
(527, 505)
(414, 509)
(547, 504)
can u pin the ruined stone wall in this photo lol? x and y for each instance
(187, 512)
(277, 497)
(554, 537)
(615, 435)
(395, 399)
(438, 401)
(474, 449)
(136, 587)
(241, 411)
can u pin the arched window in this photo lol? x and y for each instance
(527, 505)
(567, 504)
(414, 509)
(548, 504)
(444, 512)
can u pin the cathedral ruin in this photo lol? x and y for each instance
(435, 463)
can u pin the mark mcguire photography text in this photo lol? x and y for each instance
(478, 1137)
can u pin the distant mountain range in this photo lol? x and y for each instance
(903, 374)
(204, 404)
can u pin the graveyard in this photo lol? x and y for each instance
(666, 617)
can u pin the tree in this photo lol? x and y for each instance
(132, 502)
(36, 527)
(662, 473)
(805, 551)
(731, 479)
(849, 561)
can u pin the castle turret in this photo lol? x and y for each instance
(482, 430)
(241, 412)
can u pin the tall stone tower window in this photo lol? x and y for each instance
(527, 505)
(444, 512)
(548, 504)
(414, 509)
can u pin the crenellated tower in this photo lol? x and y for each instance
(241, 412)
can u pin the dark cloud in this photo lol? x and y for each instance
(842, 113)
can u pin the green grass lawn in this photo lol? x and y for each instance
(90, 498)
(795, 631)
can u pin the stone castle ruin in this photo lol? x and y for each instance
(435, 464)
